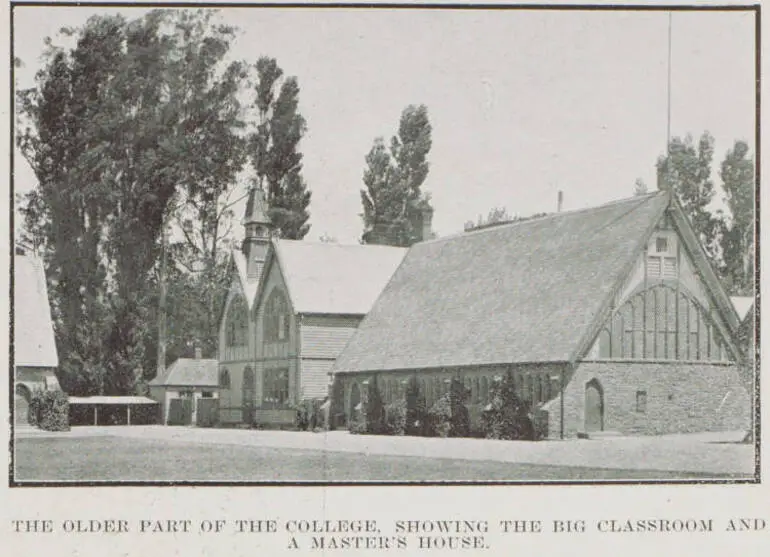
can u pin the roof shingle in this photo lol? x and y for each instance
(329, 278)
(515, 293)
(188, 372)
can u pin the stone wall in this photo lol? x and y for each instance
(654, 398)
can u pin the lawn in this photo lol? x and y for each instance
(109, 458)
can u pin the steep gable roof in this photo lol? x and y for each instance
(189, 372)
(521, 292)
(33, 334)
(329, 278)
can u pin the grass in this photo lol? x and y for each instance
(119, 459)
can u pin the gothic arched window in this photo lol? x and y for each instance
(276, 317)
(237, 325)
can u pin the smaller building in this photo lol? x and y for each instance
(112, 410)
(188, 392)
(34, 346)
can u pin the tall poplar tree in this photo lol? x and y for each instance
(274, 149)
(394, 204)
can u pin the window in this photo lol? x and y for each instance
(641, 401)
(224, 379)
(275, 389)
(661, 245)
(207, 394)
(655, 324)
(237, 328)
(276, 317)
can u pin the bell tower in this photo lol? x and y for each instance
(257, 238)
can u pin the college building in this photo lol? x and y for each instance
(610, 320)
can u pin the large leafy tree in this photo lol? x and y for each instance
(393, 202)
(274, 149)
(737, 173)
(117, 129)
(686, 170)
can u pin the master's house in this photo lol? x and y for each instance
(609, 319)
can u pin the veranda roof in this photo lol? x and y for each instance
(119, 400)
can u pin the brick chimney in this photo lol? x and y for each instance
(427, 223)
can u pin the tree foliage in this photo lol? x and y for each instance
(274, 149)
(737, 173)
(686, 170)
(135, 115)
(394, 205)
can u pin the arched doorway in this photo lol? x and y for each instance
(249, 395)
(355, 400)
(21, 404)
(594, 409)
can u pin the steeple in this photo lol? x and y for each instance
(257, 238)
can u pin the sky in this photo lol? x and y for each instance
(522, 103)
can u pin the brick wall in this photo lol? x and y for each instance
(681, 397)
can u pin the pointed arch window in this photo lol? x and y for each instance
(276, 317)
(237, 325)
(656, 324)
(224, 378)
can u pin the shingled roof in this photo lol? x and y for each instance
(515, 293)
(329, 278)
(189, 372)
(33, 335)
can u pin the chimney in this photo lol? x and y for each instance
(560, 201)
(198, 352)
(427, 223)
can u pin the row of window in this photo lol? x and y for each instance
(276, 321)
(532, 387)
(655, 324)
(275, 386)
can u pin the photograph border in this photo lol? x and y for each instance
(756, 417)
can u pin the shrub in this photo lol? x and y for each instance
(51, 410)
(440, 418)
(459, 417)
(507, 416)
(33, 412)
(358, 425)
(375, 409)
(416, 409)
(395, 417)
(310, 416)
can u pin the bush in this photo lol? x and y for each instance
(459, 417)
(375, 409)
(507, 416)
(395, 417)
(440, 418)
(50, 410)
(310, 416)
(33, 412)
(358, 425)
(416, 409)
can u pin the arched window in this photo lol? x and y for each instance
(248, 391)
(656, 324)
(237, 324)
(224, 378)
(276, 317)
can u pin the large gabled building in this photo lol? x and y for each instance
(609, 318)
(291, 308)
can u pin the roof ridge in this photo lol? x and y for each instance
(335, 244)
(529, 220)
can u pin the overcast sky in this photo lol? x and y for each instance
(522, 103)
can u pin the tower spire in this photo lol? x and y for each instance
(258, 226)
